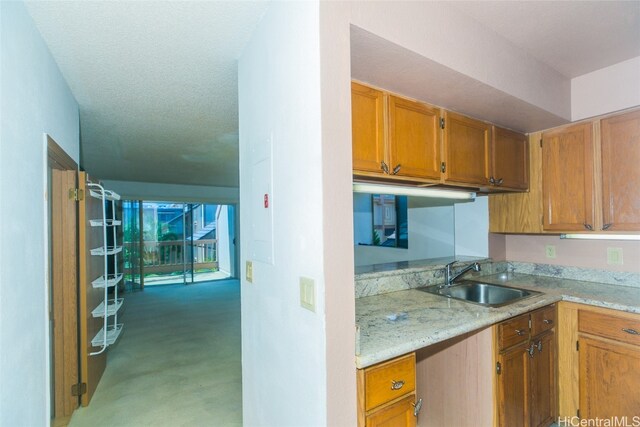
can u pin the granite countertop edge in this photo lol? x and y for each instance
(552, 290)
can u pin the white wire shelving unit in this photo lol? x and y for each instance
(108, 308)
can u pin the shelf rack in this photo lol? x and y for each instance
(108, 308)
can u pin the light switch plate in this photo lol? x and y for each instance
(307, 294)
(249, 272)
(614, 256)
(550, 251)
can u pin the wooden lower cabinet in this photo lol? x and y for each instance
(526, 370)
(387, 393)
(398, 414)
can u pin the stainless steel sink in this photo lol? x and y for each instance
(485, 294)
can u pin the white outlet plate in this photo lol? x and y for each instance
(614, 256)
(307, 294)
(550, 251)
(249, 272)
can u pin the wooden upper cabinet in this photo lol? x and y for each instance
(509, 159)
(367, 120)
(414, 139)
(620, 148)
(466, 150)
(567, 178)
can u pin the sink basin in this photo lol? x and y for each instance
(481, 293)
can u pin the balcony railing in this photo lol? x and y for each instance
(168, 256)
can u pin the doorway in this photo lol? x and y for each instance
(169, 242)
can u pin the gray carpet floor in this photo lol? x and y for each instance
(177, 362)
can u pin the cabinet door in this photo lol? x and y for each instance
(399, 414)
(367, 124)
(620, 137)
(466, 150)
(609, 378)
(414, 139)
(542, 395)
(567, 179)
(512, 387)
(509, 159)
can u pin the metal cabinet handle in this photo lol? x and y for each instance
(606, 226)
(397, 385)
(519, 332)
(588, 226)
(499, 182)
(384, 167)
(492, 180)
(397, 169)
(416, 407)
(631, 331)
(547, 321)
(532, 350)
(539, 346)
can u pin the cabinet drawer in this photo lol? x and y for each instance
(514, 331)
(389, 380)
(542, 320)
(610, 326)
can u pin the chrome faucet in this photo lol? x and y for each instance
(449, 278)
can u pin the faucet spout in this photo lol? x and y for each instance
(450, 278)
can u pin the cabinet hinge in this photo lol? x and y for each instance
(441, 122)
(78, 389)
(529, 323)
(540, 142)
(578, 413)
(498, 368)
(577, 345)
(443, 167)
(76, 194)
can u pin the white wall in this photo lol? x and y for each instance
(35, 100)
(225, 235)
(283, 344)
(472, 228)
(606, 90)
(134, 190)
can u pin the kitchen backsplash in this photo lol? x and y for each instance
(392, 277)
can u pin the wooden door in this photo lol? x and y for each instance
(91, 267)
(399, 414)
(414, 139)
(620, 139)
(368, 133)
(509, 159)
(609, 378)
(64, 282)
(466, 150)
(542, 377)
(512, 387)
(567, 179)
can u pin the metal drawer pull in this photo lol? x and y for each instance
(396, 169)
(396, 385)
(384, 167)
(631, 331)
(532, 350)
(547, 321)
(519, 332)
(416, 407)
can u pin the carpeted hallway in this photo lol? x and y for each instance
(177, 362)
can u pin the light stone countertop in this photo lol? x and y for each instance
(432, 318)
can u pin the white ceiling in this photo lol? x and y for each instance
(574, 37)
(157, 81)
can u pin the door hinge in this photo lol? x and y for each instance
(577, 345)
(76, 194)
(78, 389)
(443, 167)
(498, 368)
(441, 122)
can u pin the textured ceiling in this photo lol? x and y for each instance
(156, 83)
(574, 37)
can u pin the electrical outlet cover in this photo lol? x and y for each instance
(550, 251)
(249, 272)
(614, 256)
